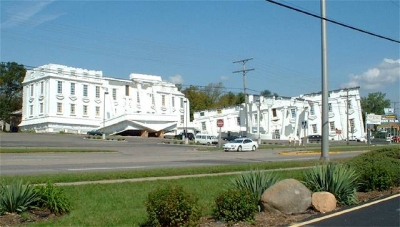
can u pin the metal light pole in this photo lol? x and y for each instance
(258, 120)
(104, 114)
(186, 118)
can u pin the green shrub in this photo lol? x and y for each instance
(54, 199)
(235, 205)
(17, 197)
(172, 206)
(340, 180)
(378, 169)
(255, 181)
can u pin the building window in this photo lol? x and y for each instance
(349, 105)
(85, 110)
(351, 124)
(314, 128)
(59, 71)
(98, 92)
(181, 102)
(138, 97)
(312, 110)
(72, 109)
(126, 90)
(152, 99)
(72, 88)
(238, 121)
(31, 110)
(73, 73)
(162, 100)
(182, 119)
(41, 108)
(97, 111)
(201, 114)
(203, 126)
(330, 107)
(219, 111)
(173, 101)
(32, 89)
(41, 88)
(85, 90)
(59, 107)
(273, 112)
(114, 94)
(332, 126)
(255, 117)
(293, 111)
(59, 87)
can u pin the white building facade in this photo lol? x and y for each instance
(284, 118)
(61, 98)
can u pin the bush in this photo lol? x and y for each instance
(379, 169)
(235, 205)
(340, 180)
(54, 199)
(172, 206)
(17, 197)
(255, 182)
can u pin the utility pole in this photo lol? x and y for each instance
(324, 64)
(347, 114)
(246, 98)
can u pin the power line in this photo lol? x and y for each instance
(333, 21)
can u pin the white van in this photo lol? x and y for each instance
(207, 139)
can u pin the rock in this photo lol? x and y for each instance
(323, 201)
(287, 196)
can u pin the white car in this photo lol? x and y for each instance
(241, 144)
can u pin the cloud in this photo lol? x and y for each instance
(224, 78)
(377, 78)
(177, 79)
(28, 13)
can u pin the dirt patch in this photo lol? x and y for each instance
(261, 219)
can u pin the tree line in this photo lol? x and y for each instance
(212, 96)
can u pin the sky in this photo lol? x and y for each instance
(197, 42)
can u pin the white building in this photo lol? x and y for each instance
(61, 98)
(285, 118)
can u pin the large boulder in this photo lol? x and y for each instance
(287, 196)
(323, 201)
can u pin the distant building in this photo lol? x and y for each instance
(61, 98)
(289, 117)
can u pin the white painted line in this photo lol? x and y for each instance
(343, 212)
(107, 168)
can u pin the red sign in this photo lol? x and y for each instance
(338, 131)
(220, 123)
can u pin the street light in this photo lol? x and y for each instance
(185, 118)
(104, 114)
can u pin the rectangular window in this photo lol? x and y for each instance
(152, 99)
(41, 108)
(162, 100)
(31, 110)
(181, 102)
(59, 71)
(314, 128)
(126, 90)
(98, 92)
(85, 90)
(41, 88)
(255, 117)
(273, 112)
(203, 126)
(59, 107)
(201, 114)
(349, 105)
(97, 111)
(330, 107)
(332, 126)
(312, 110)
(72, 109)
(114, 94)
(238, 121)
(293, 111)
(59, 87)
(173, 101)
(73, 73)
(85, 110)
(32, 89)
(219, 111)
(351, 124)
(182, 119)
(72, 88)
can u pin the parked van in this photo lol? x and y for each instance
(207, 139)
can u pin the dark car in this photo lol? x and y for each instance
(230, 138)
(314, 138)
(189, 135)
(94, 133)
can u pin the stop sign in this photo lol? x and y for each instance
(220, 123)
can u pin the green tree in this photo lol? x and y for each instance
(11, 76)
(268, 93)
(375, 103)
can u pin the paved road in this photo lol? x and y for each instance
(135, 153)
(385, 213)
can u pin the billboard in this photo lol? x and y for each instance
(388, 111)
(373, 119)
